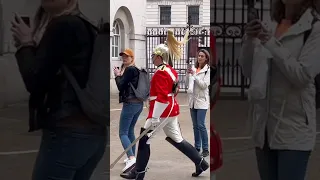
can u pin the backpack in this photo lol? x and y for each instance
(143, 89)
(215, 149)
(94, 98)
(317, 78)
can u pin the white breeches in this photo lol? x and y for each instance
(171, 128)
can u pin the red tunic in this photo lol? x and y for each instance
(160, 87)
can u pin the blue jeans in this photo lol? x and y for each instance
(198, 117)
(128, 119)
(69, 154)
(282, 164)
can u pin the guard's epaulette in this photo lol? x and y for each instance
(162, 67)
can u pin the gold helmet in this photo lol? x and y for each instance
(171, 49)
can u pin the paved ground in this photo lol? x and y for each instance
(166, 163)
(239, 160)
(18, 148)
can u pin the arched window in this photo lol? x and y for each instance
(116, 40)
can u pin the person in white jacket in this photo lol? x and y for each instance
(199, 100)
(281, 58)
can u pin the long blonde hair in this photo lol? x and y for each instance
(174, 45)
(42, 18)
(123, 68)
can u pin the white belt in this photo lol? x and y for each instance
(151, 98)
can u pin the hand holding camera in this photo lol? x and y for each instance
(190, 70)
(255, 28)
(21, 30)
(116, 71)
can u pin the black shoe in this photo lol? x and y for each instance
(191, 152)
(198, 150)
(138, 172)
(203, 166)
(129, 175)
(133, 174)
(205, 153)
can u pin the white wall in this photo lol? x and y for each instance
(132, 16)
(179, 18)
(179, 14)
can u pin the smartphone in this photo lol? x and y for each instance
(25, 19)
(253, 14)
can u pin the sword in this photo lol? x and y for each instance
(145, 132)
(130, 146)
(141, 135)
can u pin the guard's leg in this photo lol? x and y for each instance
(174, 137)
(138, 172)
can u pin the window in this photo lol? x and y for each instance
(165, 15)
(193, 14)
(116, 40)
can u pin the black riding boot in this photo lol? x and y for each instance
(138, 172)
(191, 152)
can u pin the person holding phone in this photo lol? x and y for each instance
(199, 100)
(132, 107)
(282, 65)
(72, 145)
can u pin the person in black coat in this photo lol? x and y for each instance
(132, 107)
(71, 145)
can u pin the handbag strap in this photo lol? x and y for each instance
(71, 78)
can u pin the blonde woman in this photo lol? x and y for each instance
(71, 145)
(132, 107)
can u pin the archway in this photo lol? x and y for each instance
(123, 29)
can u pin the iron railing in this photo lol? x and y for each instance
(228, 19)
(198, 38)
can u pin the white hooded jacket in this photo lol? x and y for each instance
(198, 89)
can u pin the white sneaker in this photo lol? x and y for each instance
(129, 164)
(125, 160)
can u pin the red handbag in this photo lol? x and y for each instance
(216, 159)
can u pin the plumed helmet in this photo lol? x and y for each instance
(171, 49)
(163, 51)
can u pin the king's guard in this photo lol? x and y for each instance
(164, 110)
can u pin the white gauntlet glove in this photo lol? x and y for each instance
(155, 122)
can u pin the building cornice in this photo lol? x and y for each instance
(171, 2)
